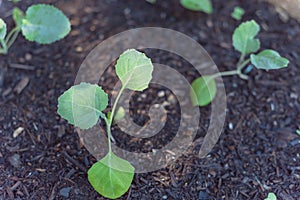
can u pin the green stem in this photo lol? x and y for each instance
(110, 120)
(4, 48)
(13, 39)
(242, 65)
(11, 33)
(226, 73)
(242, 58)
(108, 127)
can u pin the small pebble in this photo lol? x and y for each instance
(79, 49)
(165, 197)
(65, 192)
(161, 94)
(28, 56)
(230, 125)
(15, 161)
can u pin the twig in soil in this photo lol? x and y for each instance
(15, 185)
(74, 162)
(52, 196)
(21, 66)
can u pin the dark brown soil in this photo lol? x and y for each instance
(258, 152)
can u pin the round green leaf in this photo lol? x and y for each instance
(237, 13)
(271, 196)
(45, 24)
(268, 59)
(203, 90)
(198, 5)
(18, 16)
(244, 37)
(111, 176)
(2, 29)
(82, 104)
(134, 69)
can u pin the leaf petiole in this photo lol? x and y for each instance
(110, 119)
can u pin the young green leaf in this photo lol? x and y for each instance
(111, 176)
(151, 1)
(2, 29)
(18, 16)
(298, 132)
(203, 90)
(120, 114)
(268, 59)
(237, 13)
(271, 196)
(134, 69)
(244, 37)
(198, 5)
(45, 24)
(82, 104)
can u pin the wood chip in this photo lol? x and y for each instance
(17, 132)
(21, 85)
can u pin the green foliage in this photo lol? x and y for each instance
(45, 24)
(298, 131)
(42, 23)
(111, 176)
(2, 29)
(18, 16)
(268, 59)
(237, 13)
(82, 105)
(151, 1)
(244, 37)
(203, 90)
(134, 70)
(271, 196)
(244, 41)
(198, 5)
(120, 114)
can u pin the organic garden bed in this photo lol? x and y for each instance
(257, 153)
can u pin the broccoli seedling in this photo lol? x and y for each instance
(204, 89)
(82, 105)
(41, 23)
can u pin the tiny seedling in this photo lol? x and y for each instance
(204, 88)
(198, 5)
(41, 23)
(82, 105)
(237, 13)
(271, 196)
(298, 132)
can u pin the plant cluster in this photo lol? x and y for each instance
(41, 23)
(82, 105)
(244, 40)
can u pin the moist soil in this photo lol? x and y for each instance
(257, 153)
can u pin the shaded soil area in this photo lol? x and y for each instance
(258, 151)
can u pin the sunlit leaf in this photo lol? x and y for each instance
(45, 24)
(203, 90)
(82, 104)
(269, 59)
(2, 29)
(18, 16)
(134, 69)
(111, 176)
(198, 5)
(244, 37)
(237, 13)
